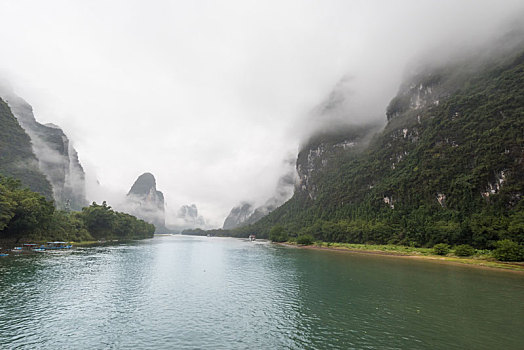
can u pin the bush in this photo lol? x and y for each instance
(441, 249)
(507, 250)
(305, 239)
(464, 250)
(278, 234)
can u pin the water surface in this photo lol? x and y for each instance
(178, 292)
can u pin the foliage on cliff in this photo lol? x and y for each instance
(27, 216)
(447, 168)
(16, 155)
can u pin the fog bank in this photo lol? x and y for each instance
(211, 97)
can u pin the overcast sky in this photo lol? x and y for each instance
(209, 95)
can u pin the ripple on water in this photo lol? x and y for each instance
(214, 293)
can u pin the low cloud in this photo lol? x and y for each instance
(211, 96)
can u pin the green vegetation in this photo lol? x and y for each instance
(305, 239)
(201, 232)
(278, 234)
(449, 171)
(464, 250)
(28, 216)
(455, 177)
(16, 154)
(479, 258)
(102, 222)
(441, 249)
(508, 251)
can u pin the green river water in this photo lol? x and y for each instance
(179, 292)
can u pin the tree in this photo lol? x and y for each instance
(278, 234)
(508, 250)
(516, 227)
(7, 206)
(99, 220)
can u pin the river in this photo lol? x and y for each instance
(180, 292)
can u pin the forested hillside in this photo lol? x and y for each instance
(26, 216)
(447, 168)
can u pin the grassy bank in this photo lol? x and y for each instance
(481, 258)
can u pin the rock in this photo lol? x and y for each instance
(57, 158)
(246, 213)
(17, 158)
(146, 203)
(189, 215)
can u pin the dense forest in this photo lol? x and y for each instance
(27, 216)
(447, 168)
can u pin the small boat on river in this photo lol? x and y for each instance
(252, 237)
(29, 246)
(57, 245)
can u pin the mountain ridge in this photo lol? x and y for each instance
(448, 166)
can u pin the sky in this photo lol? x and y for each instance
(212, 96)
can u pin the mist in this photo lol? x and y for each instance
(212, 97)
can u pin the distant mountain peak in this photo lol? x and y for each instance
(143, 184)
(146, 202)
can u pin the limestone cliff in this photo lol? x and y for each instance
(447, 167)
(247, 213)
(146, 202)
(57, 158)
(188, 217)
(238, 215)
(17, 158)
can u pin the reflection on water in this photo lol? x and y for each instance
(178, 292)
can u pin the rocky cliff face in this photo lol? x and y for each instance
(412, 117)
(17, 159)
(57, 158)
(145, 202)
(238, 216)
(447, 167)
(188, 217)
(321, 151)
(337, 133)
(247, 213)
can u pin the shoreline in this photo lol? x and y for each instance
(449, 260)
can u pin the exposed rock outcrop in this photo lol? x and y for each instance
(146, 203)
(17, 159)
(335, 135)
(189, 215)
(451, 152)
(247, 213)
(238, 216)
(57, 158)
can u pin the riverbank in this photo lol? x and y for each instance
(480, 261)
(7, 245)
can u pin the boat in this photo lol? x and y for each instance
(57, 245)
(4, 254)
(252, 237)
(17, 249)
(33, 247)
(29, 246)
